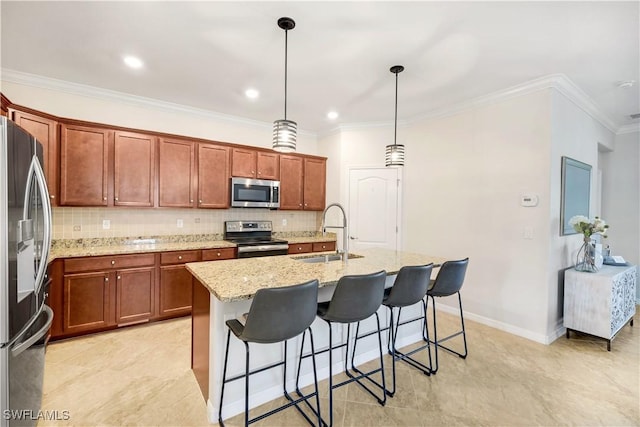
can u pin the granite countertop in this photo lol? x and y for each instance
(71, 248)
(240, 279)
(82, 251)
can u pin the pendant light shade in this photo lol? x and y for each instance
(285, 132)
(394, 153)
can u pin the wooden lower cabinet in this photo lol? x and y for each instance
(174, 298)
(135, 295)
(175, 291)
(88, 301)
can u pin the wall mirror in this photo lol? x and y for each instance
(576, 188)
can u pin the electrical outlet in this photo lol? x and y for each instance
(180, 223)
(76, 228)
(284, 222)
(197, 220)
(106, 224)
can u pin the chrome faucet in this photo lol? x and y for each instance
(345, 235)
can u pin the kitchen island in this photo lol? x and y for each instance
(223, 290)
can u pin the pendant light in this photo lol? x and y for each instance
(285, 131)
(394, 155)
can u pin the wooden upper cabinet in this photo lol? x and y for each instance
(134, 169)
(176, 173)
(315, 183)
(291, 185)
(243, 162)
(45, 131)
(249, 163)
(268, 165)
(213, 176)
(84, 170)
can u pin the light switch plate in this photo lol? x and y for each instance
(180, 223)
(106, 224)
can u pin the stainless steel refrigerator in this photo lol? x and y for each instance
(25, 241)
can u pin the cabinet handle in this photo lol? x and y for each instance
(305, 205)
(179, 256)
(200, 201)
(259, 173)
(253, 171)
(299, 248)
(300, 204)
(119, 277)
(52, 196)
(324, 247)
(116, 199)
(218, 253)
(191, 201)
(113, 262)
(106, 279)
(104, 198)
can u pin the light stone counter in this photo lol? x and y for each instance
(314, 239)
(82, 250)
(240, 279)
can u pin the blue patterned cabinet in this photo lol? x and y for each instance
(599, 303)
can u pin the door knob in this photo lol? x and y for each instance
(353, 238)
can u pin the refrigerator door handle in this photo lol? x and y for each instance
(36, 171)
(15, 351)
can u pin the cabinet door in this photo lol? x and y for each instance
(243, 163)
(291, 185)
(88, 301)
(84, 172)
(175, 291)
(134, 169)
(268, 165)
(314, 184)
(213, 176)
(176, 173)
(45, 131)
(135, 291)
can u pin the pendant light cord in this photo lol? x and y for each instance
(395, 129)
(286, 32)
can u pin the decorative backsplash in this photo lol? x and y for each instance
(86, 223)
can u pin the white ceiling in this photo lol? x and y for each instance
(205, 54)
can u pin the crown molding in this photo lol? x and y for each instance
(560, 82)
(41, 82)
(632, 128)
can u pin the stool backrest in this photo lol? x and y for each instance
(450, 278)
(278, 314)
(410, 286)
(357, 297)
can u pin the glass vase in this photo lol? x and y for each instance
(585, 259)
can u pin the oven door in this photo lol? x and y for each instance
(262, 250)
(254, 193)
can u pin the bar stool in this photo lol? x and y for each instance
(356, 298)
(276, 315)
(448, 282)
(409, 288)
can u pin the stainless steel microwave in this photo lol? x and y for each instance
(255, 193)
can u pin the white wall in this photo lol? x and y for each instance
(575, 134)
(621, 197)
(463, 181)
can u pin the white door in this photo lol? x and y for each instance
(374, 205)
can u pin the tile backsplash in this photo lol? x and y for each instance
(82, 223)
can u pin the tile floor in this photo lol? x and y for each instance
(140, 376)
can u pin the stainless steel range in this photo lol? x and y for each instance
(254, 238)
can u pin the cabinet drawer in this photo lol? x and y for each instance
(216, 254)
(180, 257)
(72, 265)
(324, 246)
(300, 248)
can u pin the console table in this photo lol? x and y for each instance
(600, 303)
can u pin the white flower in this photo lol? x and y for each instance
(577, 219)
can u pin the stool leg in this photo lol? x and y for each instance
(246, 386)
(384, 385)
(304, 334)
(330, 375)
(392, 351)
(315, 376)
(224, 378)
(435, 333)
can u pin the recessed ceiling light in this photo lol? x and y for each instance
(133, 62)
(332, 115)
(251, 93)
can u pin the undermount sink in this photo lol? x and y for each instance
(324, 258)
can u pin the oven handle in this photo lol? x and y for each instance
(262, 248)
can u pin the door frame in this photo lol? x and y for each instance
(399, 200)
